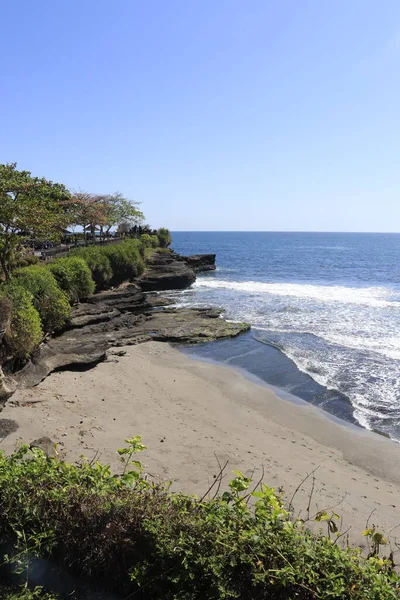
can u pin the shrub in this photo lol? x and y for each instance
(25, 331)
(112, 264)
(135, 243)
(98, 263)
(149, 241)
(164, 237)
(73, 276)
(26, 260)
(49, 300)
(126, 261)
(141, 540)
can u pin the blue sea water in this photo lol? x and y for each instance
(325, 311)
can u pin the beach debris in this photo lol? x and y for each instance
(46, 445)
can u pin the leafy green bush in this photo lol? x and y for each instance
(164, 237)
(126, 261)
(98, 263)
(73, 276)
(26, 260)
(149, 241)
(49, 300)
(25, 331)
(135, 243)
(141, 540)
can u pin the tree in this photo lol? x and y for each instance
(103, 211)
(119, 210)
(29, 207)
(87, 210)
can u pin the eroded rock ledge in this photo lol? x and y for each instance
(130, 315)
(201, 262)
(167, 271)
(171, 271)
(119, 318)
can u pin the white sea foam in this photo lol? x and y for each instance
(344, 337)
(371, 296)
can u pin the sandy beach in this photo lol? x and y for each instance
(189, 413)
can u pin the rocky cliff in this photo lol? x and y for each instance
(123, 317)
(170, 271)
(166, 271)
(131, 314)
(200, 263)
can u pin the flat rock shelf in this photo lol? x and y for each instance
(131, 315)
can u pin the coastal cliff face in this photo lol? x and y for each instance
(171, 271)
(131, 314)
(201, 263)
(166, 271)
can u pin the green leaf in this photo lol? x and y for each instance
(367, 532)
(258, 494)
(322, 516)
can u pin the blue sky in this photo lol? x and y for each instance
(215, 114)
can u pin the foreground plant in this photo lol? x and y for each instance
(139, 540)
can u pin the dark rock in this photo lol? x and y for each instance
(7, 426)
(8, 386)
(45, 444)
(201, 262)
(166, 272)
(192, 326)
(128, 321)
(127, 316)
(158, 301)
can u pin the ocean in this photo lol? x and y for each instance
(324, 310)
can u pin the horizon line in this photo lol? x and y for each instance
(279, 231)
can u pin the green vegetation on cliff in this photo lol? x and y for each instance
(29, 207)
(49, 300)
(38, 296)
(73, 276)
(137, 540)
(24, 331)
(164, 237)
(34, 209)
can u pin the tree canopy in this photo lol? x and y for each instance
(29, 206)
(36, 208)
(102, 211)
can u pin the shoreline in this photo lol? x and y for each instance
(189, 411)
(269, 365)
(281, 392)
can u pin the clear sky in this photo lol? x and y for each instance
(215, 114)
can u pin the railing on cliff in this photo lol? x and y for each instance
(50, 253)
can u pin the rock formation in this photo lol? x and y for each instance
(130, 314)
(125, 316)
(200, 262)
(166, 272)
